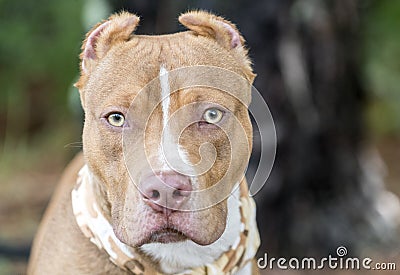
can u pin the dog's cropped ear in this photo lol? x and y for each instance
(223, 32)
(99, 40)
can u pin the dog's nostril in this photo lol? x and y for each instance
(155, 194)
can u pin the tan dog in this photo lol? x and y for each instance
(160, 186)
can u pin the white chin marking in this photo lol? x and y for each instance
(187, 254)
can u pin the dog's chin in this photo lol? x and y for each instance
(166, 235)
(169, 235)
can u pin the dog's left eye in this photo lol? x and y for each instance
(213, 115)
(116, 119)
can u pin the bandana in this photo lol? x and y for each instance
(97, 228)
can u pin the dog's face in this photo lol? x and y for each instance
(162, 137)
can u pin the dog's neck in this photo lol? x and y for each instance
(237, 245)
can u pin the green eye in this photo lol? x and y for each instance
(116, 119)
(212, 115)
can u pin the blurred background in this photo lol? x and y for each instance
(328, 69)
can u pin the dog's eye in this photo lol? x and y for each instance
(116, 119)
(213, 115)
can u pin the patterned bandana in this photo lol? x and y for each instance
(96, 227)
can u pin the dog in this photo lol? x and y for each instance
(159, 187)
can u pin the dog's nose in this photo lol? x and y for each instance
(166, 192)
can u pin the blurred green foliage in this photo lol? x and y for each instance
(40, 41)
(382, 65)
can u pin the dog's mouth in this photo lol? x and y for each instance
(166, 235)
(152, 228)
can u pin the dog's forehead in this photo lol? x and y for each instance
(178, 50)
(135, 65)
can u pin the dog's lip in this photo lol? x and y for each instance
(164, 231)
(166, 235)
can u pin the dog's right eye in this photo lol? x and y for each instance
(116, 119)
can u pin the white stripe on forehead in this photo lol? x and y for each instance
(165, 103)
(178, 156)
(165, 95)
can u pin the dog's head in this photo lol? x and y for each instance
(167, 133)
